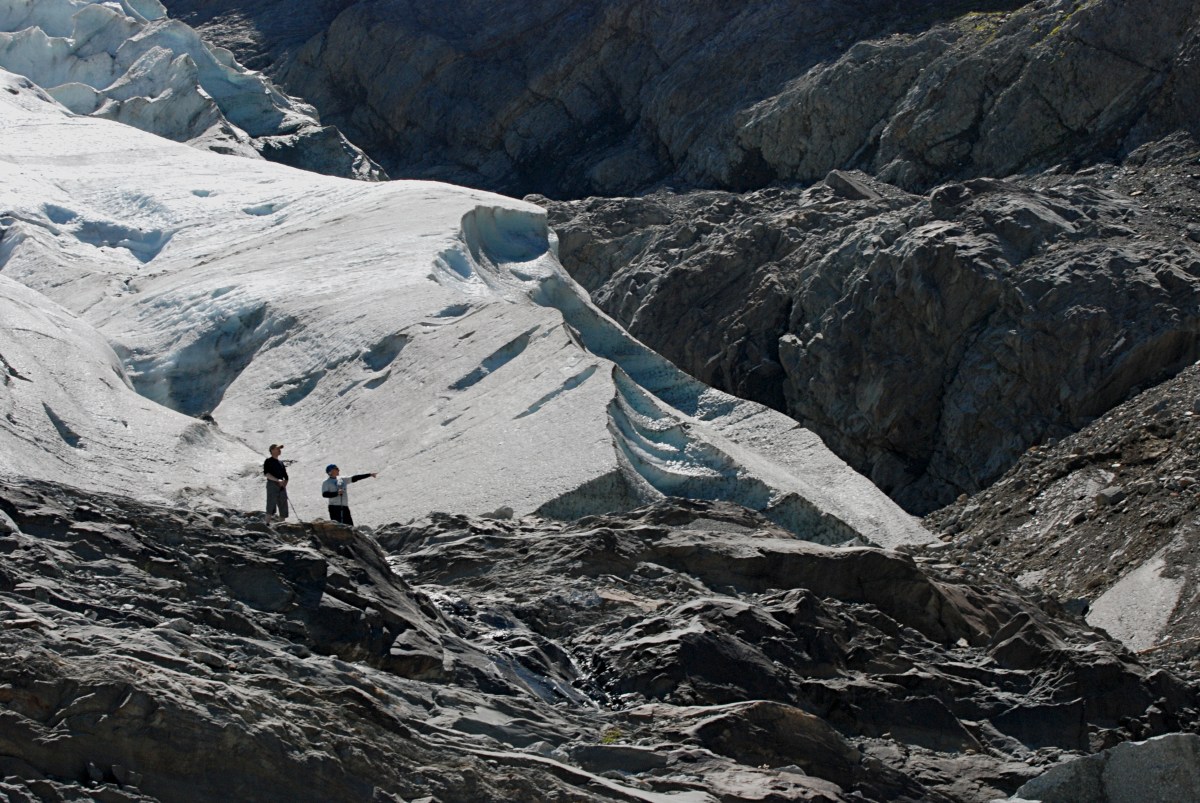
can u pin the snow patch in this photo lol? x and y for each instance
(1137, 609)
(67, 414)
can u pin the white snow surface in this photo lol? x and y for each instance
(1138, 608)
(68, 412)
(419, 330)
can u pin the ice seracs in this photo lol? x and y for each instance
(125, 60)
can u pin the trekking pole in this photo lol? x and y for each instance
(304, 525)
(294, 509)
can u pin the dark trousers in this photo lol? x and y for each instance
(276, 499)
(341, 514)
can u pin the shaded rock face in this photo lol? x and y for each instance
(930, 339)
(569, 99)
(1105, 518)
(685, 647)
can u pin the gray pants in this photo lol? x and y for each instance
(276, 499)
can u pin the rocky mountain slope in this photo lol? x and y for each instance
(933, 319)
(1107, 517)
(694, 653)
(609, 98)
(929, 339)
(127, 61)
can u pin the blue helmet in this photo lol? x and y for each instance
(330, 468)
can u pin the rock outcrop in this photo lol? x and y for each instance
(929, 339)
(129, 62)
(609, 98)
(683, 648)
(1166, 764)
(1104, 519)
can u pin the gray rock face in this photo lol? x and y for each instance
(152, 654)
(929, 340)
(1166, 769)
(568, 99)
(1103, 519)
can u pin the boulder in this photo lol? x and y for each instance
(1168, 767)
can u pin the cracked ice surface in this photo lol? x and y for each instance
(415, 329)
(125, 60)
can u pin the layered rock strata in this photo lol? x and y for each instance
(175, 655)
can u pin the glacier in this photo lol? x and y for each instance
(125, 60)
(419, 330)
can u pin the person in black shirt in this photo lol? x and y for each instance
(277, 479)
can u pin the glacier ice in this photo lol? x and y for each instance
(420, 330)
(69, 414)
(125, 60)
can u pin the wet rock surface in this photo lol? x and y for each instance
(162, 654)
(929, 339)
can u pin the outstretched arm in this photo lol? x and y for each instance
(358, 477)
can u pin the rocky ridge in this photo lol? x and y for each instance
(696, 650)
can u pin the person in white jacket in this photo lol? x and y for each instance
(337, 491)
